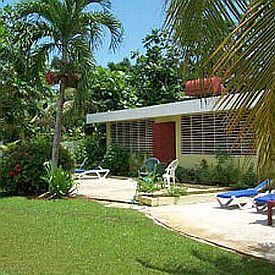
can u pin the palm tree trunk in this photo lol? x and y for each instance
(59, 114)
(58, 125)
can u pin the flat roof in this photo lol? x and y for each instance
(170, 109)
(189, 106)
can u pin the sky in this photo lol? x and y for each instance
(138, 18)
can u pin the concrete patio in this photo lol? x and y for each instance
(200, 217)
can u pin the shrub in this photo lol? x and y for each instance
(136, 161)
(177, 191)
(203, 173)
(225, 172)
(93, 148)
(146, 185)
(249, 178)
(117, 160)
(21, 166)
(60, 182)
(183, 174)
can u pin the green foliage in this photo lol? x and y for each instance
(21, 166)
(110, 90)
(203, 172)
(248, 179)
(60, 182)
(146, 185)
(136, 160)
(199, 27)
(23, 93)
(182, 174)
(225, 171)
(91, 147)
(116, 159)
(156, 74)
(177, 191)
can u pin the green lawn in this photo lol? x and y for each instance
(81, 237)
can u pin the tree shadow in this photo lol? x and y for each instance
(198, 262)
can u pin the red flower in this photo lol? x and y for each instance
(12, 174)
(18, 168)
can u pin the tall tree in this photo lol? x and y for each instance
(69, 29)
(23, 91)
(245, 58)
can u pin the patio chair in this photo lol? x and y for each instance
(170, 173)
(242, 198)
(148, 168)
(97, 171)
(261, 201)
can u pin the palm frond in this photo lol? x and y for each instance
(249, 63)
(200, 26)
(100, 21)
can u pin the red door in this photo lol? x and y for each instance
(164, 144)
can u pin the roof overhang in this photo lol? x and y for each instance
(162, 110)
(190, 106)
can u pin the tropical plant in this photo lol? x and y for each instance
(21, 166)
(110, 90)
(23, 92)
(246, 59)
(70, 29)
(200, 27)
(116, 159)
(156, 74)
(60, 182)
(92, 148)
(249, 61)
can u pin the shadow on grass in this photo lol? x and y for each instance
(205, 263)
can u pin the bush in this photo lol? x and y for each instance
(225, 172)
(177, 191)
(117, 160)
(203, 173)
(183, 174)
(136, 160)
(93, 148)
(21, 166)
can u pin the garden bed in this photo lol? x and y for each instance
(159, 198)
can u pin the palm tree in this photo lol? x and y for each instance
(71, 30)
(199, 27)
(246, 57)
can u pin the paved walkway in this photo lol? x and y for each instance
(112, 189)
(242, 230)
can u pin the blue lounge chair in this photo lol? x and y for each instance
(261, 202)
(241, 198)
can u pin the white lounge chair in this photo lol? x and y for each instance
(98, 171)
(170, 173)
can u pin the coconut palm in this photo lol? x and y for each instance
(246, 58)
(249, 60)
(199, 27)
(69, 29)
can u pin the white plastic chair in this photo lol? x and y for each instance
(170, 174)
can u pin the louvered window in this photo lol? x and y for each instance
(136, 136)
(206, 134)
